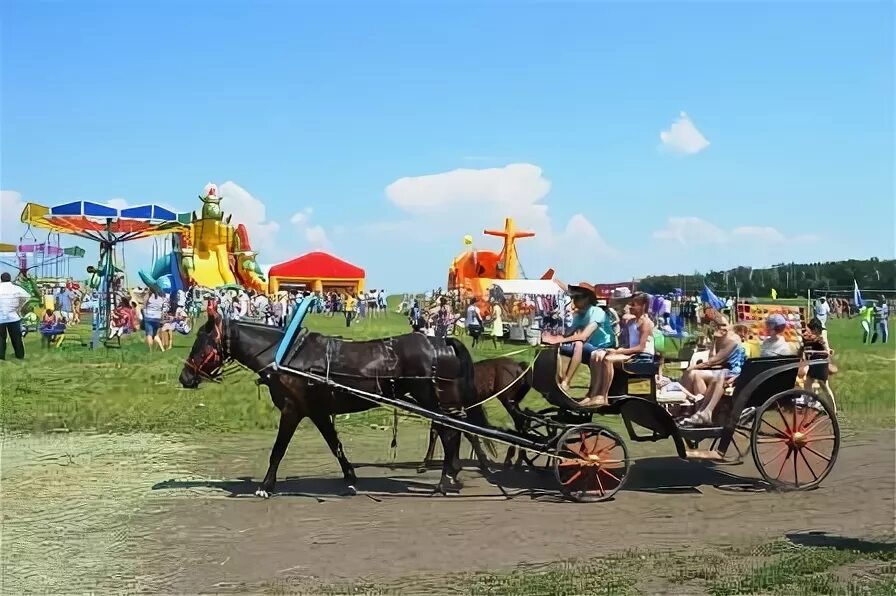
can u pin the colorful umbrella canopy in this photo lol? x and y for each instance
(103, 223)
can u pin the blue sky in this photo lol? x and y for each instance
(548, 111)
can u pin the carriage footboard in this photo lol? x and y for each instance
(649, 415)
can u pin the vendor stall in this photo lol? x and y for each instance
(528, 306)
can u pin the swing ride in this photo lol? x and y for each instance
(109, 227)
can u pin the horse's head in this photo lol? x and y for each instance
(209, 351)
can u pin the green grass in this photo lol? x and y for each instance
(129, 389)
(778, 567)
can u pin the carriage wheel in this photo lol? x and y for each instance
(591, 464)
(541, 425)
(795, 440)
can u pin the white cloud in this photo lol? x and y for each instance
(765, 234)
(690, 231)
(513, 186)
(439, 209)
(11, 206)
(683, 137)
(302, 217)
(315, 235)
(252, 213)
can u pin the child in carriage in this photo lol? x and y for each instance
(639, 347)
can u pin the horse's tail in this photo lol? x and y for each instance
(476, 413)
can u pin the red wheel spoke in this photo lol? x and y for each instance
(815, 423)
(817, 454)
(783, 419)
(784, 463)
(567, 463)
(780, 453)
(811, 439)
(600, 485)
(608, 473)
(796, 474)
(807, 421)
(808, 465)
(775, 428)
(771, 439)
(573, 478)
(605, 463)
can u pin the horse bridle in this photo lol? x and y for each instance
(220, 348)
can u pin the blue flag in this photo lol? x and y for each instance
(857, 295)
(711, 299)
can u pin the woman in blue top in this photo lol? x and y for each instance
(589, 337)
(727, 352)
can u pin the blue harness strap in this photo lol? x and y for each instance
(294, 325)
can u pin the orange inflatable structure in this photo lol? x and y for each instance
(474, 271)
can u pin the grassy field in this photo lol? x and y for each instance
(786, 567)
(129, 389)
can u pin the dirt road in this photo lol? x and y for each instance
(167, 514)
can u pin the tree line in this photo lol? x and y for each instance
(788, 279)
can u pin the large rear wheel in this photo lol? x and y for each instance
(795, 440)
(592, 463)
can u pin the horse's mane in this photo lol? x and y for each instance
(254, 325)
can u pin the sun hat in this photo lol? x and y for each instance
(583, 290)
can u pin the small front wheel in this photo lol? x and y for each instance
(592, 463)
(795, 440)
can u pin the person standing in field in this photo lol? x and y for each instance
(822, 310)
(866, 315)
(12, 299)
(348, 305)
(881, 321)
(153, 308)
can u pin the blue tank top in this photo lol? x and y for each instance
(736, 359)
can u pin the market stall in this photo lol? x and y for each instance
(528, 306)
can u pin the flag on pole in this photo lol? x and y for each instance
(708, 297)
(857, 295)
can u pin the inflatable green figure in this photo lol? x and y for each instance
(211, 207)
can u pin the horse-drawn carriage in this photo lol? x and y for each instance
(793, 434)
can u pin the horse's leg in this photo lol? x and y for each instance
(450, 466)
(480, 454)
(430, 449)
(324, 424)
(289, 420)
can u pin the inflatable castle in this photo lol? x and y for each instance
(207, 252)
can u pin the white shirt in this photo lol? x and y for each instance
(12, 298)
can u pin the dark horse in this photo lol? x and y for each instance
(436, 374)
(502, 378)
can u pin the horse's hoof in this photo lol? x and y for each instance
(262, 493)
(449, 485)
(350, 491)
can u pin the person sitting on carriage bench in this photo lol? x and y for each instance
(639, 348)
(728, 352)
(590, 336)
